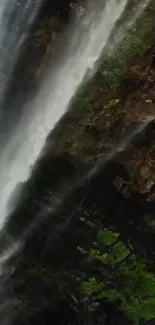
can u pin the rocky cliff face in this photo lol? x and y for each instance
(99, 174)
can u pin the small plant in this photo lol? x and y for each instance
(107, 237)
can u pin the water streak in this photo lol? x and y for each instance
(16, 17)
(122, 145)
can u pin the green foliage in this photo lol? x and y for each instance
(139, 293)
(137, 310)
(139, 280)
(107, 237)
(120, 252)
(136, 307)
(128, 282)
(93, 286)
(104, 258)
(110, 295)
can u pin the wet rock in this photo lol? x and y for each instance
(96, 132)
(59, 8)
(118, 183)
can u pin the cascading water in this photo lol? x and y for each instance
(16, 17)
(85, 46)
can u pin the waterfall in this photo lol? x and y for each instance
(85, 44)
(16, 18)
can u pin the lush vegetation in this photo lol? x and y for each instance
(122, 277)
